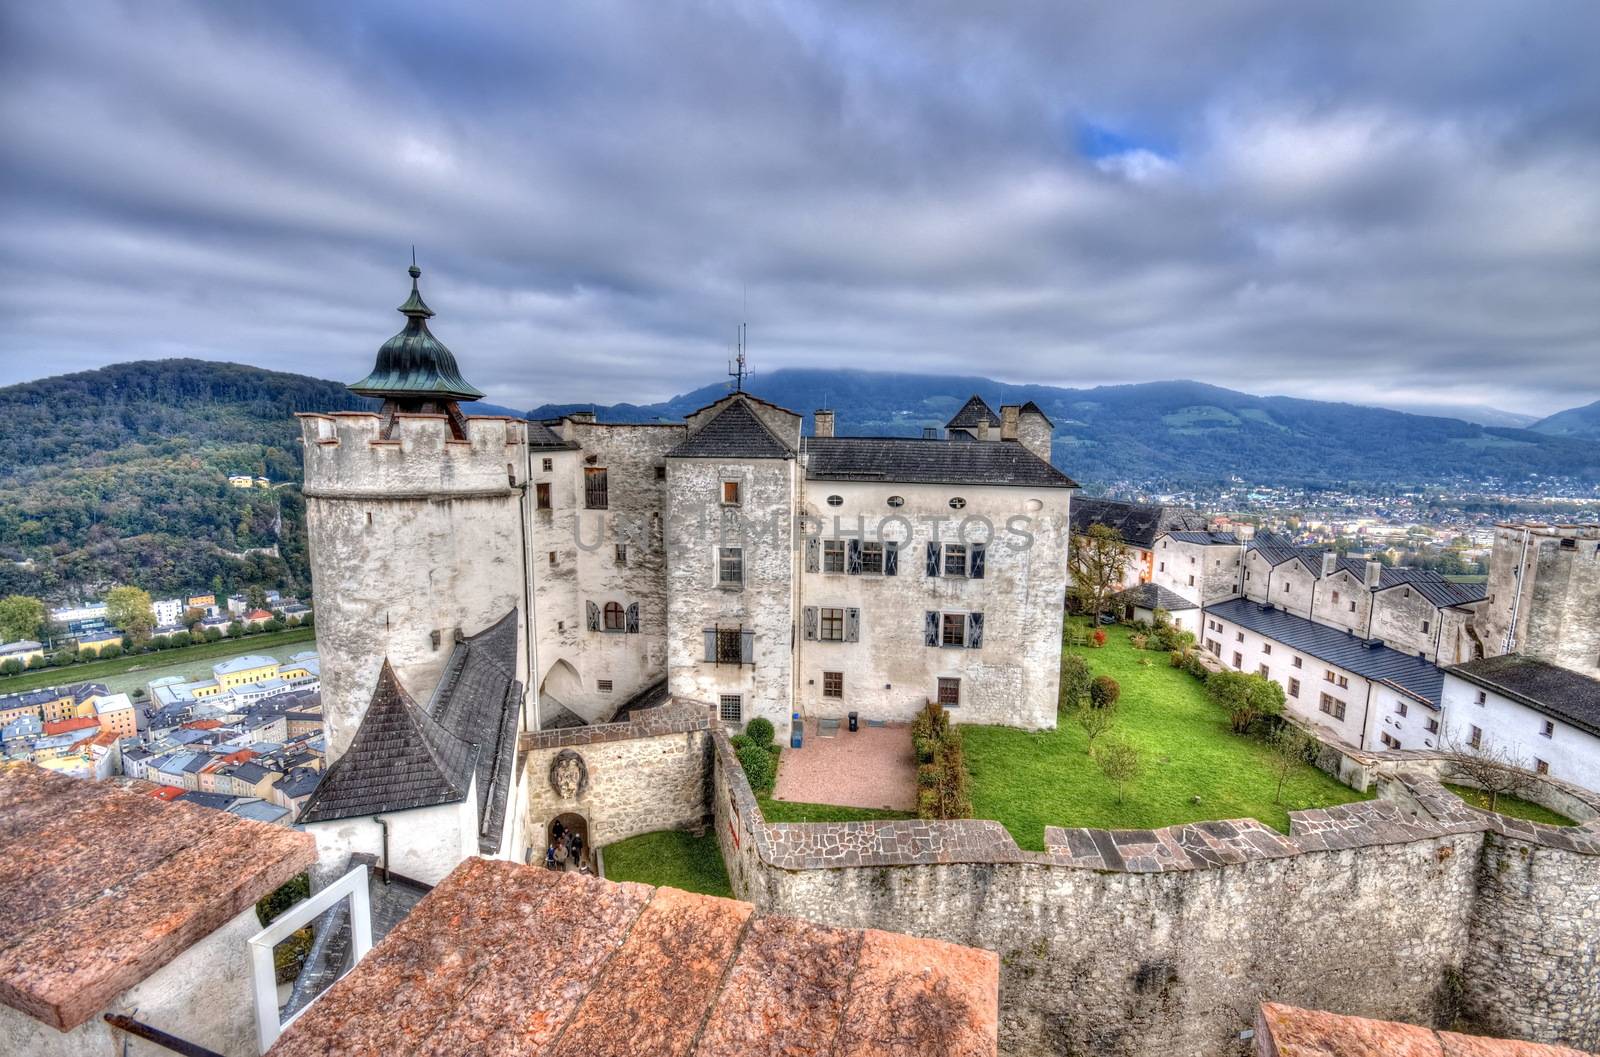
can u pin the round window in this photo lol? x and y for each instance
(836, 500)
(957, 503)
(1034, 506)
(897, 500)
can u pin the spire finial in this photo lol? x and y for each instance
(414, 270)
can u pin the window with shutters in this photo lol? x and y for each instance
(731, 708)
(541, 495)
(730, 646)
(831, 626)
(595, 496)
(949, 693)
(833, 556)
(613, 615)
(730, 566)
(832, 684)
(872, 558)
(955, 559)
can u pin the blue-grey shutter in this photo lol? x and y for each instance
(974, 631)
(891, 559)
(711, 644)
(594, 616)
(747, 647)
(852, 625)
(852, 563)
(930, 627)
(975, 555)
(633, 618)
(810, 622)
(813, 555)
(933, 558)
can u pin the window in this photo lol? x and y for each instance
(1336, 598)
(1433, 726)
(541, 495)
(832, 684)
(1298, 662)
(1161, 567)
(1332, 706)
(1266, 647)
(661, 473)
(731, 708)
(1389, 742)
(1400, 708)
(1286, 585)
(1238, 661)
(831, 627)
(1238, 636)
(1263, 670)
(553, 558)
(613, 612)
(730, 646)
(836, 500)
(950, 693)
(958, 503)
(833, 556)
(730, 566)
(1481, 698)
(872, 558)
(730, 493)
(1426, 624)
(622, 554)
(896, 501)
(549, 464)
(1294, 688)
(1344, 684)
(1549, 730)
(1191, 581)
(603, 685)
(1352, 606)
(1540, 766)
(1475, 737)
(594, 488)
(955, 559)
(954, 631)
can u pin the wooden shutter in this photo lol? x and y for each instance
(974, 631)
(930, 627)
(933, 558)
(711, 645)
(852, 559)
(747, 646)
(810, 621)
(891, 559)
(852, 625)
(594, 616)
(975, 556)
(813, 555)
(633, 619)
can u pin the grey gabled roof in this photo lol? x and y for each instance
(917, 461)
(1138, 523)
(1555, 691)
(1152, 597)
(735, 432)
(972, 413)
(542, 438)
(1402, 671)
(1207, 539)
(1030, 406)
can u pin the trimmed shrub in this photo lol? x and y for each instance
(739, 741)
(923, 747)
(760, 730)
(11, 666)
(1098, 638)
(760, 767)
(1104, 691)
(1075, 678)
(927, 776)
(1245, 697)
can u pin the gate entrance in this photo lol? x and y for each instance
(567, 844)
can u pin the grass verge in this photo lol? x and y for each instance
(1514, 806)
(672, 858)
(208, 651)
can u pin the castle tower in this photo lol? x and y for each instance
(416, 524)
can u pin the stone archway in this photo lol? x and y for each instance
(560, 687)
(559, 834)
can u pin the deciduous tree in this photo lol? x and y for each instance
(1120, 761)
(1098, 561)
(1290, 745)
(129, 608)
(1095, 722)
(21, 617)
(1496, 769)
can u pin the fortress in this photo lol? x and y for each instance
(522, 621)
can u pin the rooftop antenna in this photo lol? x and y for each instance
(736, 366)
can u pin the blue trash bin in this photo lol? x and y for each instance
(796, 731)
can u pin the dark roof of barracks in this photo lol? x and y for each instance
(1369, 659)
(542, 438)
(918, 461)
(1138, 523)
(637, 971)
(1206, 538)
(1548, 688)
(973, 413)
(414, 364)
(735, 432)
(104, 884)
(1431, 585)
(404, 756)
(1152, 597)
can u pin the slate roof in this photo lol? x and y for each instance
(1139, 523)
(404, 756)
(734, 432)
(542, 438)
(1431, 585)
(1548, 688)
(914, 460)
(1207, 539)
(1153, 596)
(1402, 671)
(972, 414)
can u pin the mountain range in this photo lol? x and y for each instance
(1581, 423)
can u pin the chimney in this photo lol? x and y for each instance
(823, 419)
(1330, 562)
(581, 416)
(983, 428)
(1374, 574)
(1009, 413)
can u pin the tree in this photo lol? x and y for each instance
(1097, 562)
(1246, 698)
(192, 616)
(129, 608)
(1104, 691)
(1075, 679)
(1120, 761)
(256, 595)
(1289, 745)
(235, 630)
(1494, 768)
(1095, 722)
(21, 617)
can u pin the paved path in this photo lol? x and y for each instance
(871, 768)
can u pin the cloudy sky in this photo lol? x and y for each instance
(1385, 203)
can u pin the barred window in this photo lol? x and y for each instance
(595, 495)
(729, 648)
(603, 685)
(832, 684)
(950, 692)
(731, 708)
(872, 558)
(955, 559)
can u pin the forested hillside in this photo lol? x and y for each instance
(120, 475)
(1581, 423)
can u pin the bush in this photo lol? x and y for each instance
(212, 634)
(12, 666)
(1104, 691)
(1098, 638)
(760, 730)
(111, 651)
(1196, 667)
(1246, 698)
(760, 767)
(1138, 640)
(927, 776)
(923, 748)
(932, 722)
(738, 741)
(1176, 658)
(1075, 677)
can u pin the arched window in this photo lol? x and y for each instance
(613, 616)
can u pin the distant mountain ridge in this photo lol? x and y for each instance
(1168, 433)
(1582, 423)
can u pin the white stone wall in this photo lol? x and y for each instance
(1573, 754)
(425, 843)
(1311, 673)
(1205, 574)
(1341, 601)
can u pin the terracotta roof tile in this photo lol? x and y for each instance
(1287, 1031)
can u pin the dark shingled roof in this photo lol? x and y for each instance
(1139, 523)
(1555, 691)
(735, 432)
(973, 412)
(1153, 596)
(542, 438)
(1030, 406)
(918, 461)
(406, 757)
(1402, 671)
(1205, 538)
(1433, 586)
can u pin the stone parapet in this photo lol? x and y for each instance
(346, 457)
(677, 717)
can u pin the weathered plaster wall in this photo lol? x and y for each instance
(1342, 601)
(1561, 627)
(1215, 569)
(1399, 616)
(1572, 755)
(425, 843)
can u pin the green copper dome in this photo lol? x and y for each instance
(414, 365)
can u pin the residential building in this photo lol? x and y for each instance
(169, 611)
(23, 651)
(1538, 713)
(1139, 526)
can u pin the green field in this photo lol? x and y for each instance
(671, 858)
(122, 675)
(1516, 807)
(790, 811)
(1195, 768)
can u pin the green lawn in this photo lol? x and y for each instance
(1516, 807)
(672, 858)
(142, 667)
(791, 811)
(1027, 781)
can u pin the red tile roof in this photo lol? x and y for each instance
(502, 959)
(1286, 1031)
(67, 726)
(167, 792)
(258, 614)
(201, 724)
